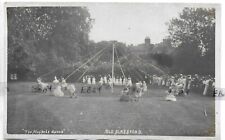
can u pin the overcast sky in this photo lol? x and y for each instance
(131, 23)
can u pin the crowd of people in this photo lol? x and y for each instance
(183, 83)
(176, 84)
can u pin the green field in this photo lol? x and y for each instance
(95, 113)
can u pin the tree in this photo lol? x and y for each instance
(163, 59)
(120, 47)
(194, 31)
(37, 35)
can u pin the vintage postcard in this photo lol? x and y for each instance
(112, 70)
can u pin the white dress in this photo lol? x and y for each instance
(145, 87)
(206, 83)
(93, 81)
(84, 80)
(163, 82)
(105, 79)
(129, 82)
(57, 90)
(89, 80)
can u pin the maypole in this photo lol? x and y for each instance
(112, 67)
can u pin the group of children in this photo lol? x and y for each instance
(106, 80)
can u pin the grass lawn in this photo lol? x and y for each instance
(95, 114)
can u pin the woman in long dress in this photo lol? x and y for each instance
(206, 83)
(93, 81)
(56, 88)
(89, 80)
(145, 88)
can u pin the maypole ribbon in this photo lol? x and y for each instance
(88, 69)
(85, 63)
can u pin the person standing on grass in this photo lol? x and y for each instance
(206, 84)
(145, 88)
(55, 80)
(163, 81)
(167, 81)
(184, 82)
(57, 88)
(124, 81)
(89, 80)
(63, 83)
(100, 86)
(129, 82)
(172, 81)
(150, 80)
(93, 80)
(105, 80)
(83, 80)
(159, 81)
(189, 80)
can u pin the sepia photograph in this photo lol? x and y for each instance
(112, 69)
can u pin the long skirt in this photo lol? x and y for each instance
(170, 97)
(58, 92)
(205, 89)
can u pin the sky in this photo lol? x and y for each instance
(130, 23)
